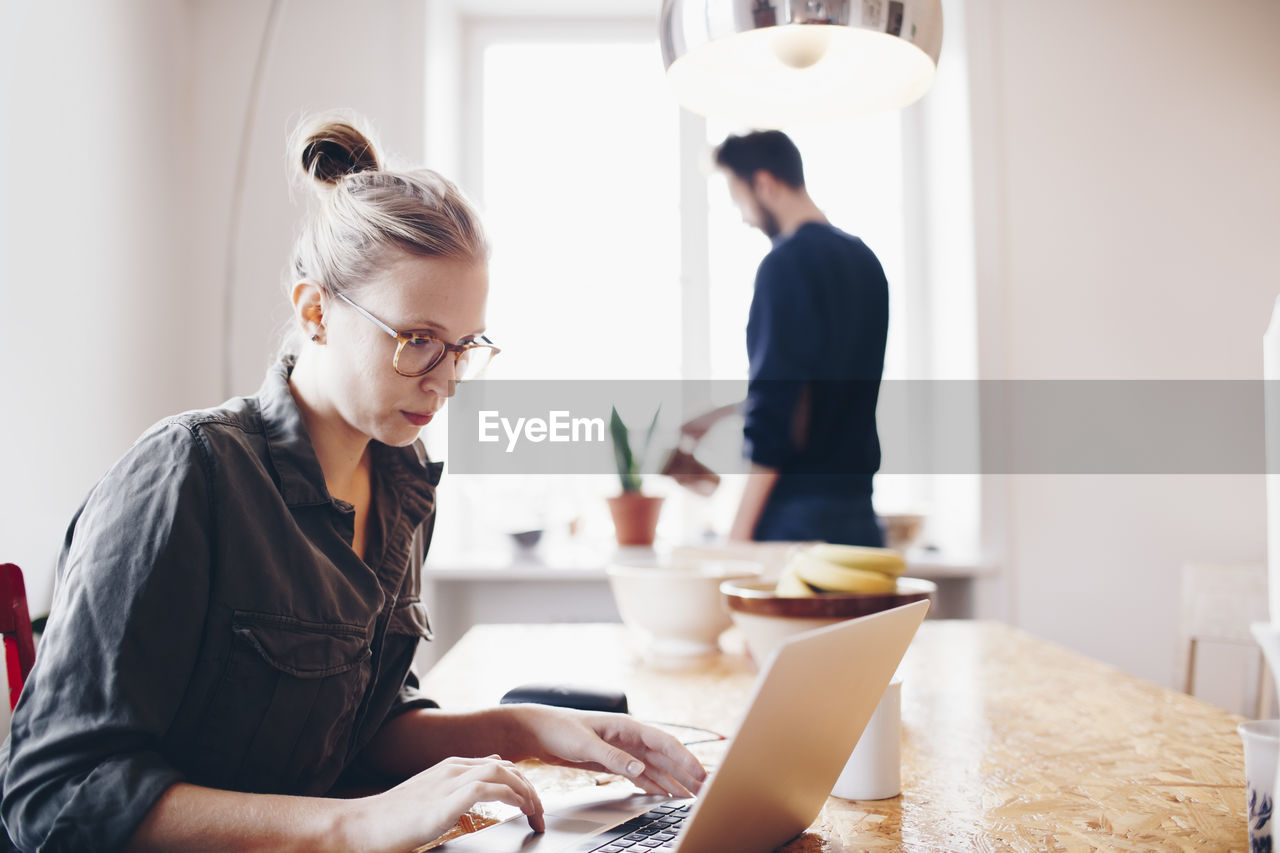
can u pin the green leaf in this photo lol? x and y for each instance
(648, 439)
(622, 453)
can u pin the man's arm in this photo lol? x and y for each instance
(784, 357)
(696, 428)
(760, 482)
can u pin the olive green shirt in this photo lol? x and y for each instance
(212, 624)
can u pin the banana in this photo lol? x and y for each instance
(790, 586)
(855, 557)
(829, 577)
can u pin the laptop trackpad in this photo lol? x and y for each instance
(515, 836)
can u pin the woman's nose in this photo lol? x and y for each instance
(442, 379)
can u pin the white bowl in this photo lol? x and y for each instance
(674, 607)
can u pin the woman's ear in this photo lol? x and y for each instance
(308, 308)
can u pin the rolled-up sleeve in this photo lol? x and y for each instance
(410, 698)
(783, 351)
(85, 759)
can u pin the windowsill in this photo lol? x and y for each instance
(587, 560)
(564, 580)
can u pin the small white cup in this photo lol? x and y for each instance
(1261, 745)
(874, 770)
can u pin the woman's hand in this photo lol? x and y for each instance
(615, 743)
(430, 802)
(426, 806)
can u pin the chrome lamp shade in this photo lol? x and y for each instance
(778, 63)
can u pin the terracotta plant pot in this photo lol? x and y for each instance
(635, 517)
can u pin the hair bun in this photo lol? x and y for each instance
(332, 148)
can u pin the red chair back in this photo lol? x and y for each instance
(15, 625)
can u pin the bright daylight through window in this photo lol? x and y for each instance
(579, 177)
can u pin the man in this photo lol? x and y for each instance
(816, 340)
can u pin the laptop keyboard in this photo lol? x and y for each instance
(655, 830)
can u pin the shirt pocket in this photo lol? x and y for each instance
(308, 650)
(281, 718)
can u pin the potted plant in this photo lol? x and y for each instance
(635, 514)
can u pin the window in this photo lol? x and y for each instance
(609, 225)
(574, 159)
(578, 177)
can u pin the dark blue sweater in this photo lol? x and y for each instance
(816, 341)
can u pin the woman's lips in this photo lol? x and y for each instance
(417, 419)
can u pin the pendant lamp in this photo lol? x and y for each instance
(778, 63)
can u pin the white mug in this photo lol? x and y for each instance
(874, 770)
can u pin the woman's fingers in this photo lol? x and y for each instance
(658, 774)
(495, 771)
(677, 771)
(652, 759)
(491, 779)
(426, 805)
(616, 760)
(668, 783)
(482, 791)
(460, 764)
(666, 760)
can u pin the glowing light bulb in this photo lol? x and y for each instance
(800, 46)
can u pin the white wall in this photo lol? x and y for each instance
(1127, 198)
(95, 312)
(120, 130)
(322, 55)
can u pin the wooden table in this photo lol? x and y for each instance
(1009, 742)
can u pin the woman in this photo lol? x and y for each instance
(238, 606)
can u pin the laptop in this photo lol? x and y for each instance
(812, 700)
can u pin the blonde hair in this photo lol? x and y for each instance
(367, 212)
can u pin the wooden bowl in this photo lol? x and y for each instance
(755, 596)
(766, 618)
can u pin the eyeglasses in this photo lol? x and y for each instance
(418, 353)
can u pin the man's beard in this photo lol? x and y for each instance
(769, 224)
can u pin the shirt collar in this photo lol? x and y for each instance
(301, 479)
(412, 475)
